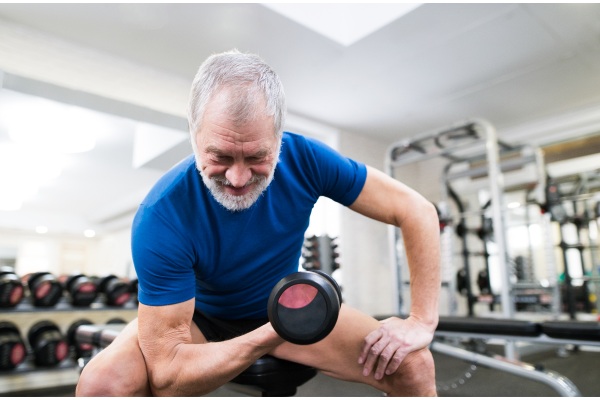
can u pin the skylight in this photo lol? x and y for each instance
(345, 23)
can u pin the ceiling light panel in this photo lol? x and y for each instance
(345, 23)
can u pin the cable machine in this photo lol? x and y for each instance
(571, 205)
(473, 151)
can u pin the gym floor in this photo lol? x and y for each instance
(580, 366)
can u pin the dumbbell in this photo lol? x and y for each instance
(47, 343)
(303, 307)
(116, 291)
(80, 349)
(462, 281)
(133, 289)
(12, 347)
(11, 288)
(483, 282)
(45, 289)
(116, 321)
(81, 289)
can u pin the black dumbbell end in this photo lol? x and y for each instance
(48, 344)
(303, 307)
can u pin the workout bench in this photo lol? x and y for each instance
(551, 332)
(267, 377)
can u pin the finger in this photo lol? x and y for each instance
(382, 361)
(373, 356)
(395, 362)
(369, 341)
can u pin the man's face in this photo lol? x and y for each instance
(236, 160)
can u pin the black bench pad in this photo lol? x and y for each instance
(275, 377)
(576, 330)
(492, 326)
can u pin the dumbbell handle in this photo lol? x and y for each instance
(97, 335)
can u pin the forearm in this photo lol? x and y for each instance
(180, 366)
(196, 369)
(392, 202)
(421, 239)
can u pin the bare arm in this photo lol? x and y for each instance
(387, 200)
(177, 367)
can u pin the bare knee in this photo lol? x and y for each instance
(416, 375)
(95, 381)
(115, 374)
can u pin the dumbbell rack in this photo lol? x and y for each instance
(28, 376)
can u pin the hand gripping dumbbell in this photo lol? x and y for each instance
(45, 289)
(81, 289)
(47, 343)
(304, 306)
(11, 288)
(12, 347)
(115, 290)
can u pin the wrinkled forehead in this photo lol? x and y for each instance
(243, 117)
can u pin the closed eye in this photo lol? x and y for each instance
(255, 160)
(258, 157)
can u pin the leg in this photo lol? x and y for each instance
(120, 370)
(337, 356)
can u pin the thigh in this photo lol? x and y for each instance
(337, 354)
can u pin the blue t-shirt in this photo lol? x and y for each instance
(185, 244)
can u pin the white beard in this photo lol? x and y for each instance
(236, 203)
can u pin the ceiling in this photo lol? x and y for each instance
(530, 69)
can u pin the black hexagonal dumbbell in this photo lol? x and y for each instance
(79, 349)
(116, 291)
(116, 321)
(82, 290)
(45, 289)
(48, 344)
(11, 288)
(133, 289)
(12, 347)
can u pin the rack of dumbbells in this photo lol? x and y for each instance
(321, 253)
(39, 314)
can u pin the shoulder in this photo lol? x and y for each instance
(293, 140)
(303, 148)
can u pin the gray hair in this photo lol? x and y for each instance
(249, 77)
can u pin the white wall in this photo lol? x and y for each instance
(66, 254)
(58, 254)
(113, 255)
(364, 245)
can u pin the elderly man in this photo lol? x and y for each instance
(218, 231)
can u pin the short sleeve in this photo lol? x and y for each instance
(162, 259)
(341, 178)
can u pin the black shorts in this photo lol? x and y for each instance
(217, 329)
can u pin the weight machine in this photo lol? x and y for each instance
(574, 205)
(471, 151)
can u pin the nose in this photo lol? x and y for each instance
(238, 174)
